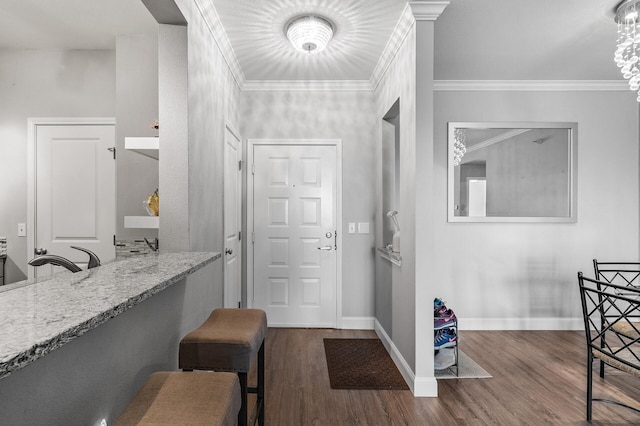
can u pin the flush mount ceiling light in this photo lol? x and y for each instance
(628, 44)
(310, 33)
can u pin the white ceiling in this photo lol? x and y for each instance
(475, 40)
(71, 24)
(256, 32)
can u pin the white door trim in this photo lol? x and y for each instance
(235, 134)
(32, 132)
(250, 227)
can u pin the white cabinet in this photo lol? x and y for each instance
(148, 146)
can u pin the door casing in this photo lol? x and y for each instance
(237, 290)
(250, 227)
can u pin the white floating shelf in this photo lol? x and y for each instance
(151, 222)
(147, 146)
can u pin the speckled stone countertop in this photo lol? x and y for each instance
(38, 318)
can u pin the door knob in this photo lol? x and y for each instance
(325, 248)
(40, 251)
(228, 251)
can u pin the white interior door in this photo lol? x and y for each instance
(74, 192)
(294, 252)
(232, 220)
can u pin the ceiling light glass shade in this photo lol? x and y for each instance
(309, 34)
(628, 44)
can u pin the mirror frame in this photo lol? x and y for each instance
(573, 170)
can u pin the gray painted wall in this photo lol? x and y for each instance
(386, 201)
(331, 115)
(174, 140)
(136, 109)
(426, 288)
(523, 275)
(529, 179)
(42, 83)
(213, 97)
(400, 82)
(96, 375)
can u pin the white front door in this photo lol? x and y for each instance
(232, 220)
(294, 252)
(74, 192)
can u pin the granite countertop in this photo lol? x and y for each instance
(38, 318)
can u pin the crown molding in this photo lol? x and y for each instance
(212, 20)
(413, 11)
(443, 85)
(427, 10)
(531, 85)
(396, 40)
(306, 85)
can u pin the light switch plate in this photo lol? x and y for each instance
(352, 227)
(363, 227)
(22, 230)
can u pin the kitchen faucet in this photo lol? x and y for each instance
(94, 261)
(52, 259)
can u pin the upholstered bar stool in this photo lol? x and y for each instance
(229, 340)
(177, 398)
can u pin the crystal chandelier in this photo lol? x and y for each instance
(628, 44)
(309, 33)
(459, 147)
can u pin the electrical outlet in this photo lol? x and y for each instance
(352, 227)
(22, 230)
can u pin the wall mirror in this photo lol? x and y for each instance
(512, 172)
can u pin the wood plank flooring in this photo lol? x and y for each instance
(539, 378)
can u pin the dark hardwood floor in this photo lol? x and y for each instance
(538, 379)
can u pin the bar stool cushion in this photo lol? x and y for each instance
(177, 398)
(226, 341)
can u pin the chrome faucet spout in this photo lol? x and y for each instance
(54, 260)
(94, 261)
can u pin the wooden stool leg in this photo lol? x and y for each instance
(260, 401)
(242, 416)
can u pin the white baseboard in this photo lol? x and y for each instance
(425, 387)
(299, 325)
(357, 323)
(521, 323)
(397, 357)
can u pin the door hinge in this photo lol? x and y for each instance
(239, 235)
(113, 150)
(240, 165)
(253, 237)
(253, 169)
(114, 239)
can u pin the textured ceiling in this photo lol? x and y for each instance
(256, 32)
(475, 40)
(71, 24)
